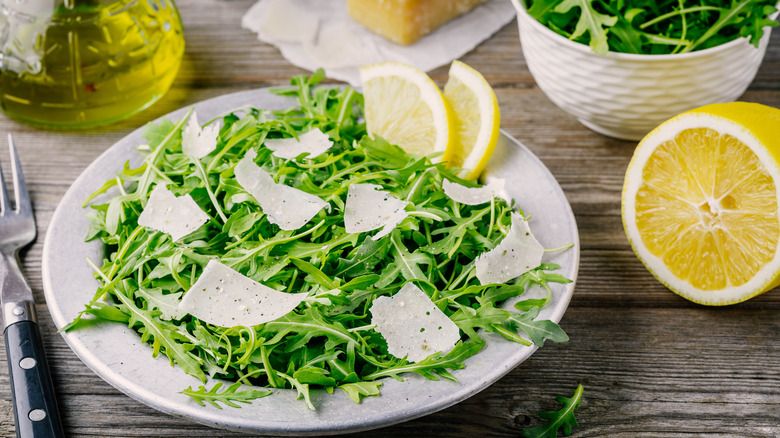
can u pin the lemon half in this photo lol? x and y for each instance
(700, 202)
(406, 108)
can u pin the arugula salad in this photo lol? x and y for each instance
(654, 27)
(207, 261)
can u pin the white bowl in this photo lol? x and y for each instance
(626, 95)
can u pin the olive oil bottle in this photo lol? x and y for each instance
(81, 63)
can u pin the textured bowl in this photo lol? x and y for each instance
(626, 95)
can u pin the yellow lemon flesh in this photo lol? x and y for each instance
(406, 108)
(700, 202)
(476, 119)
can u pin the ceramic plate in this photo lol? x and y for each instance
(117, 354)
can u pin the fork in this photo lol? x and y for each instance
(35, 406)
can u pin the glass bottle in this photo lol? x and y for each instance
(81, 63)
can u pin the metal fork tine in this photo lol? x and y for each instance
(5, 203)
(21, 196)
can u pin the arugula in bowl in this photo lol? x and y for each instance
(652, 27)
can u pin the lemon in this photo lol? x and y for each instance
(405, 107)
(700, 202)
(476, 116)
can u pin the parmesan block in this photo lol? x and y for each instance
(412, 325)
(286, 206)
(174, 216)
(368, 208)
(196, 141)
(406, 21)
(224, 297)
(313, 143)
(518, 253)
(473, 195)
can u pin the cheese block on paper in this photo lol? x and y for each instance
(406, 21)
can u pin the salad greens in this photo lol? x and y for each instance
(563, 417)
(654, 27)
(328, 341)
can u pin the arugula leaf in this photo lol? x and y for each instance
(563, 417)
(229, 396)
(590, 21)
(357, 391)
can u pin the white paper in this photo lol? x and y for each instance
(342, 45)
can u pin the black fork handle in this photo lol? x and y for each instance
(35, 405)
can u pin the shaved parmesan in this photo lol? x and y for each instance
(518, 252)
(412, 325)
(286, 206)
(226, 298)
(368, 208)
(286, 21)
(473, 195)
(197, 141)
(313, 143)
(165, 212)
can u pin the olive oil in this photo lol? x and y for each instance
(84, 63)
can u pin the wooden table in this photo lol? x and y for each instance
(652, 364)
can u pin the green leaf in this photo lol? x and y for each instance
(314, 376)
(168, 305)
(433, 366)
(590, 21)
(229, 396)
(540, 330)
(563, 417)
(357, 391)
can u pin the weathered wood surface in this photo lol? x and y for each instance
(653, 364)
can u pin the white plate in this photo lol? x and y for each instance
(117, 354)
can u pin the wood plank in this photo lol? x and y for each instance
(652, 363)
(652, 371)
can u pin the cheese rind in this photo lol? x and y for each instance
(406, 21)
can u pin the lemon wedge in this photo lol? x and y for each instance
(700, 202)
(406, 108)
(476, 116)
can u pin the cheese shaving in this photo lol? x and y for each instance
(286, 206)
(474, 195)
(518, 252)
(368, 208)
(196, 141)
(313, 143)
(224, 297)
(174, 216)
(412, 325)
